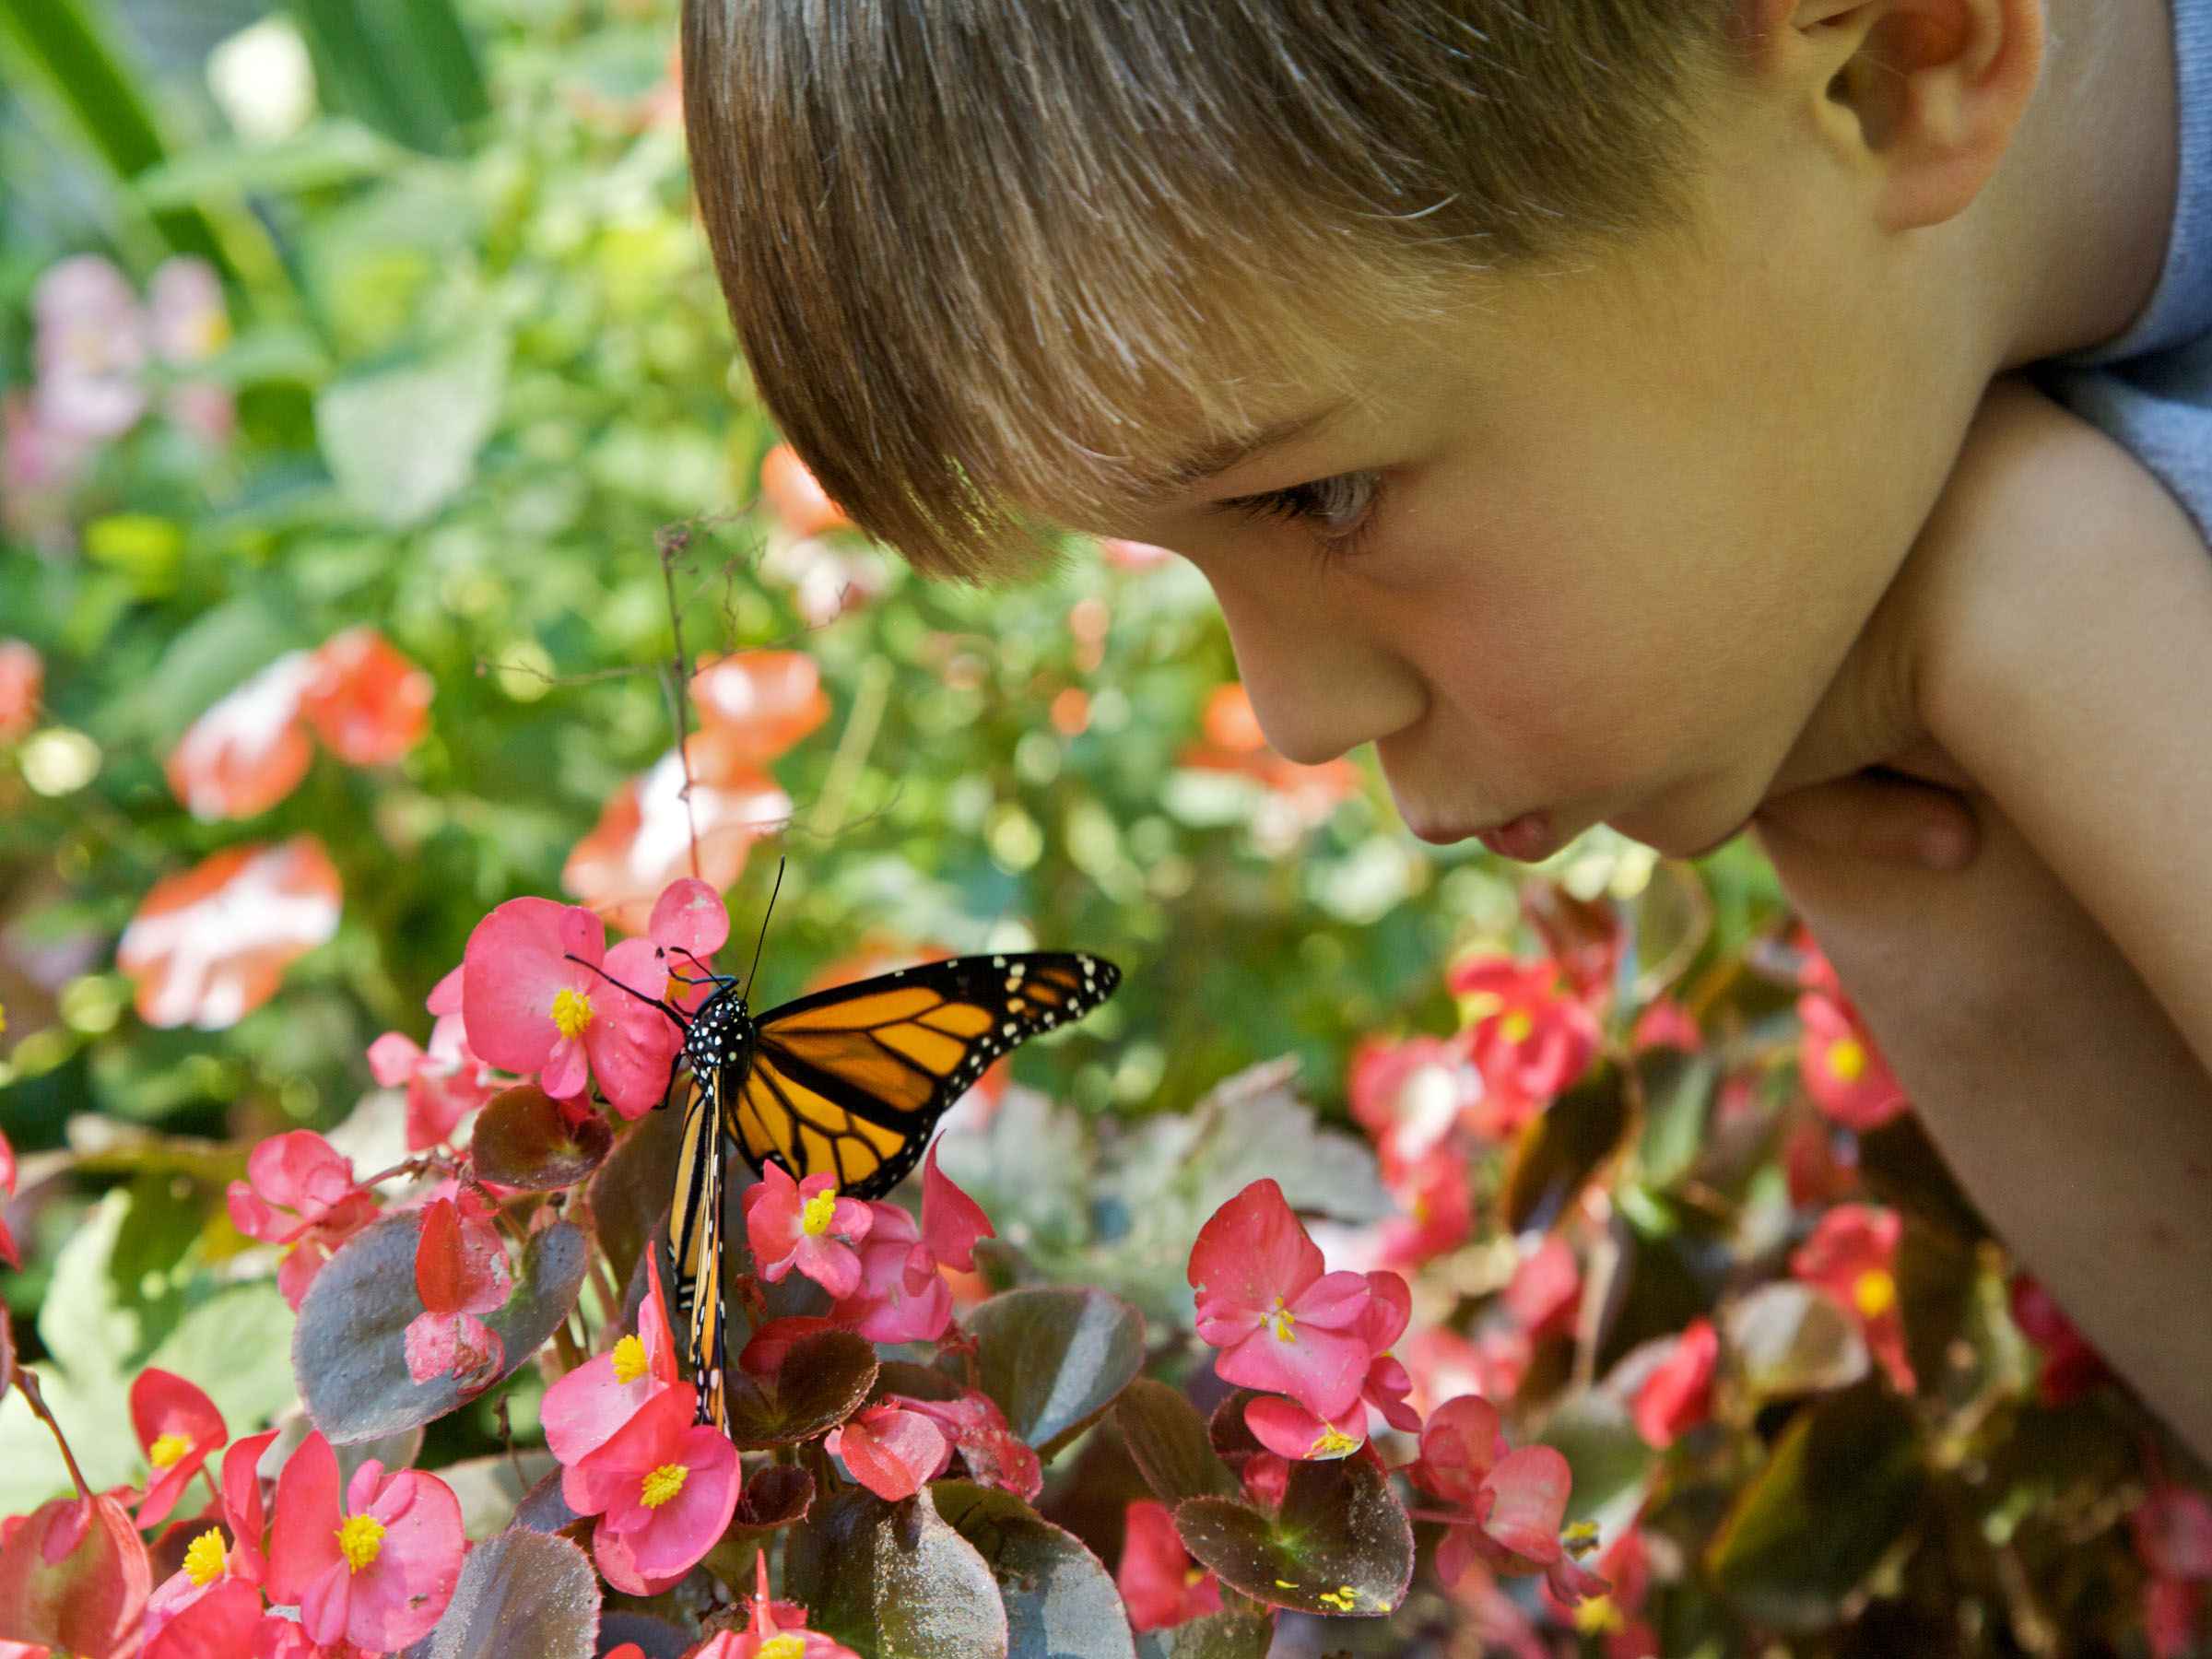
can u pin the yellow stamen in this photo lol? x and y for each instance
(359, 1540)
(1332, 1443)
(1281, 1322)
(1191, 1575)
(3, 1019)
(1580, 1537)
(1874, 1293)
(1597, 1616)
(662, 1484)
(1515, 1027)
(783, 1647)
(1344, 1599)
(168, 1452)
(572, 1012)
(204, 1560)
(816, 1218)
(1847, 1059)
(629, 1360)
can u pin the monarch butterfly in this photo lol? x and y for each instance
(847, 1082)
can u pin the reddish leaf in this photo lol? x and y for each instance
(76, 1587)
(525, 1138)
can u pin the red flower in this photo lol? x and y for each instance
(789, 489)
(250, 750)
(209, 947)
(1677, 1394)
(8, 1252)
(242, 1511)
(1666, 1024)
(796, 1224)
(1282, 1325)
(1295, 798)
(664, 1486)
(756, 705)
(22, 681)
(1852, 1254)
(377, 1573)
(535, 1000)
(1409, 1096)
(460, 1271)
(2172, 1531)
(1529, 1040)
(222, 1617)
(2071, 1367)
(299, 1192)
(1160, 1584)
(1545, 1290)
(1437, 1192)
(892, 1451)
(978, 1431)
(654, 831)
(444, 1083)
(177, 1426)
(1506, 1505)
(1617, 1615)
(1843, 1071)
(368, 703)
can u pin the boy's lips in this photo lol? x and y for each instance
(1527, 838)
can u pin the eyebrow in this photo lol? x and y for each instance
(1220, 454)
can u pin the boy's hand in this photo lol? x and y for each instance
(1864, 779)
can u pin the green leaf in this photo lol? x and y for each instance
(1610, 1464)
(1340, 1545)
(406, 67)
(1168, 1440)
(1054, 1356)
(402, 440)
(349, 1352)
(630, 1191)
(523, 1139)
(1559, 1154)
(1836, 1495)
(1789, 1338)
(1060, 1602)
(824, 1379)
(490, 1488)
(1216, 1635)
(332, 151)
(522, 1595)
(237, 1346)
(892, 1581)
(1677, 1090)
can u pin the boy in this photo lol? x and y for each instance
(1608, 408)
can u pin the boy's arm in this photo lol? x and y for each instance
(2066, 661)
(2059, 1092)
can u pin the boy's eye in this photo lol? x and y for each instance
(1338, 510)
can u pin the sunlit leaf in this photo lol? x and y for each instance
(1789, 1338)
(822, 1381)
(1168, 1438)
(1059, 1598)
(1340, 1545)
(1217, 1636)
(894, 1581)
(1054, 1356)
(402, 438)
(522, 1595)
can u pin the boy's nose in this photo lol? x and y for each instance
(1319, 686)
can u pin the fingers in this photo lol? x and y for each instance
(1888, 821)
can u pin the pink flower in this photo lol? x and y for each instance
(1852, 1254)
(951, 1221)
(299, 1192)
(1843, 1071)
(221, 1617)
(2070, 1366)
(249, 750)
(1677, 1395)
(899, 1296)
(177, 1426)
(796, 1224)
(1666, 1024)
(979, 1432)
(664, 1486)
(22, 681)
(209, 946)
(377, 1573)
(1287, 1428)
(460, 1271)
(774, 1630)
(1545, 1290)
(8, 1252)
(1437, 1194)
(91, 349)
(528, 1007)
(584, 1409)
(2172, 1531)
(892, 1451)
(1617, 1616)
(1530, 1041)
(445, 1083)
(1161, 1585)
(1506, 1505)
(1282, 1325)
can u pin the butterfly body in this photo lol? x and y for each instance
(849, 1082)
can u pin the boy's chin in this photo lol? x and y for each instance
(1681, 830)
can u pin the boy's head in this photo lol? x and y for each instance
(1549, 391)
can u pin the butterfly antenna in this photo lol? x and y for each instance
(681, 1023)
(747, 992)
(713, 978)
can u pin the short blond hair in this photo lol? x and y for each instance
(983, 253)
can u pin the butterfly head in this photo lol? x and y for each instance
(719, 1031)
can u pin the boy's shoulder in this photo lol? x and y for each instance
(2151, 388)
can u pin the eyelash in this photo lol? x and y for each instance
(1317, 504)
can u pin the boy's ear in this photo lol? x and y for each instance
(1925, 93)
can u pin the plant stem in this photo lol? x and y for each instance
(26, 1380)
